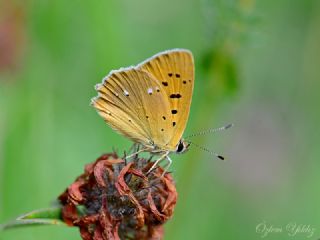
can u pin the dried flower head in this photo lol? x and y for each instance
(113, 199)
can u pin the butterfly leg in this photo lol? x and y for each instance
(168, 165)
(157, 162)
(137, 152)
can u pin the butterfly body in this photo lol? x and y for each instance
(150, 103)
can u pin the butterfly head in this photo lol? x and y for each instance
(182, 146)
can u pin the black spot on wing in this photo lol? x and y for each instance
(177, 95)
(174, 111)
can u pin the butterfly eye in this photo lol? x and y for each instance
(180, 147)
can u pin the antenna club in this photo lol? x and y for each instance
(230, 125)
(206, 150)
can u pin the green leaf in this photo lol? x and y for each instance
(48, 216)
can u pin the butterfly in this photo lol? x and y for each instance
(150, 103)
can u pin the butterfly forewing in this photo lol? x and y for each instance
(174, 70)
(135, 104)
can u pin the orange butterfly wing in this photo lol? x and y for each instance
(174, 70)
(136, 105)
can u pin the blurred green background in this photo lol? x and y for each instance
(257, 65)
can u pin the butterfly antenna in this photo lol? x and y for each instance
(206, 150)
(211, 131)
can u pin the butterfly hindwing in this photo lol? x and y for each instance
(135, 104)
